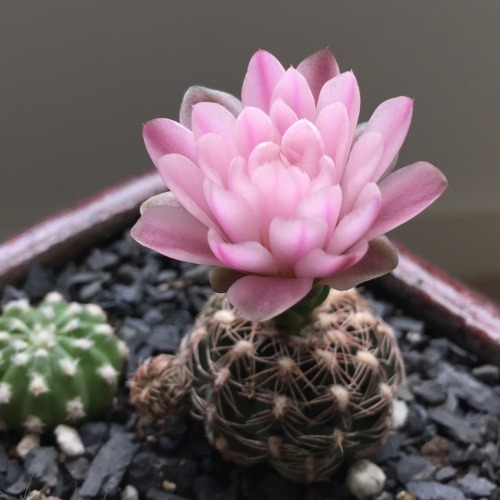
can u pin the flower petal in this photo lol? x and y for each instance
(318, 263)
(186, 180)
(354, 225)
(260, 298)
(213, 158)
(264, 72)
(405, 193)
(324, 203)
(233, 214)
(282, 116)
(172, 231)
(317, 69)
(249, 256)
(333, 125)
(163, 136)
(239, 183)
(291, 239)
(280, 189)
(212, 117)
(363, 161)
(381, 258)
(294, 91)
(265, 152)
(302, 146)
(344, 89)
(327, 175)
(392, 119)
(196, 94)
(253, 127)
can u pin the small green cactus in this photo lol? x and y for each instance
(59, 363)
(302, 401)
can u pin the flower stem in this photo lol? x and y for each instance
(293, 320)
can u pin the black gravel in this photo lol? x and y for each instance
(448, 449)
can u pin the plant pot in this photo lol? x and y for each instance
(448, 308)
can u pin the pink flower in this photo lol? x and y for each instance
(282, 186)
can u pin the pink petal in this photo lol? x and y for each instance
(317, 69)
(210, 117)
(333, 125)
(172, 231)
(325, 204)
(282, 116)
(363, 161)
(294, 91)
(186, 180)
(391, 119)
(239, 183)
(264, 72)
(280, 188)
(249, 256)
(381, 258)
(213, 158)
(405, 193)
(194, 95)
(344, 89)
(319, 263)
(303, 147)
(260, 298)
(233, 214)
(265, 152)
(253, 127)
(354, 225)
(291, 239)
(327, 175)
(163, 136)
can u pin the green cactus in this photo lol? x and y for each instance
(303, 402)
(59, 363)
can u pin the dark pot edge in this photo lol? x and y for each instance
(420, 287)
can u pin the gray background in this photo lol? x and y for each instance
(78, 78)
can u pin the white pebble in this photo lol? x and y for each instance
(365, 479)
(69, 441)
(399, 414)
(130, 493)
(29, 442)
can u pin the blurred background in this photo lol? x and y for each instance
(79, 78)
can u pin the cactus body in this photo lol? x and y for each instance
(302, 402)
(59, 363)
(160, 389)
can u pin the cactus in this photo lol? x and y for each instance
(303, 402)
(160, 389)
(59, 363)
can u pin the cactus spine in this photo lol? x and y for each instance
(59, 363)
(303, 402)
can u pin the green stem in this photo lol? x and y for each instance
(293, 320)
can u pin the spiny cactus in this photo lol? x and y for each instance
(303, 402)
(160, 389)
(59, 363)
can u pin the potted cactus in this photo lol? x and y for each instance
(282, 366)
(289, 198)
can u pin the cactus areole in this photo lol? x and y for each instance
(59, 363)
(289, 198)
